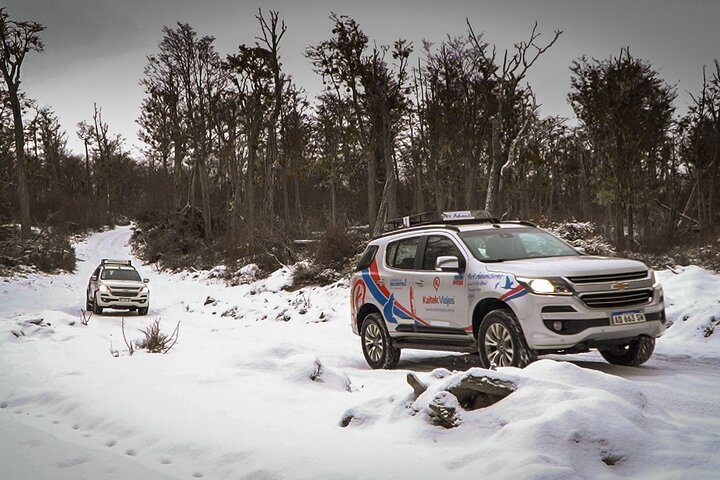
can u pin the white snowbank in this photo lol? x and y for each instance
(692, 301)
(261, 379)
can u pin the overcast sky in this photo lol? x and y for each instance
(95, 49)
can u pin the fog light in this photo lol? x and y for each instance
(557, 326)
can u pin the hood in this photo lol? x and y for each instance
(571, 266)
(122, 283)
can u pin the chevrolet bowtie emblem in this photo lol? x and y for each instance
(620, 286)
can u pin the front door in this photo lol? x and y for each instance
(440, 298)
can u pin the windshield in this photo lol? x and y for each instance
(120, 274)
(498, 245)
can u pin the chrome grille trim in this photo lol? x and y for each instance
(124, 292)
(614, 277)
(617, 299)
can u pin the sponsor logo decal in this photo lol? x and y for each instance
(436, 283)
(485, 276)
(358, 295)
(398, 282)
(458, 280)
(438, 300)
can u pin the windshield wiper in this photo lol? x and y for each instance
(493, 260)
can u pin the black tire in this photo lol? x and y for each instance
(376, 343)
(97, 309)
(501, 341)
(88, 304)
(633, 354)
(142, 310)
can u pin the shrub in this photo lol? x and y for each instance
(157, 342)
(583, 235)
(46, 250)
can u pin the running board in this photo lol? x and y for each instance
(451, 345)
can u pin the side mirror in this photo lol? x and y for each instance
(581, 250)
(94, 278)
(146, 280)
(448, 264)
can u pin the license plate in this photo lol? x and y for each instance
(625, 318)
(124, 299)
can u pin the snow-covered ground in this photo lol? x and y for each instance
(261, 379)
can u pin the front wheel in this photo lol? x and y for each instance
(501, 341)
(633, 354)
(142, 310)
(376, 343)
(97, 309)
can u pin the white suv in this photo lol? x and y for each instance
(464, 281)
(116, 284)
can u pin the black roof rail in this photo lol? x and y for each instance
(521, 222)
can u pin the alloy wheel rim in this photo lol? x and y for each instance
(374, 342)
(499, 348)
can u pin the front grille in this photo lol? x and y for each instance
(124, 293)
(614, 277)
(617, 299)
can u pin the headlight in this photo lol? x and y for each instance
(654, 279)
(546, 286)
(144, 290)
(103, 289)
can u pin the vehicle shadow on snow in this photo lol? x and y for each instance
(422, 362)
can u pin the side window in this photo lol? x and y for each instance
(96, 273)
(439, 246)
(367, 258)
(401, 254)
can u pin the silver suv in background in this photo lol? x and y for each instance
(465, 281)
(116, 284)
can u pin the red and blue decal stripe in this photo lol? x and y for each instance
(516, 292)
(391, 307)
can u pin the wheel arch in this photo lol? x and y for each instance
(482, 308)
(363, 312)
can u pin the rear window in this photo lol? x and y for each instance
(401, 254)
(366, 258)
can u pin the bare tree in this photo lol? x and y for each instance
(18, 38)
(507, 76)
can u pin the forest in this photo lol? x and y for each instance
(239, 161)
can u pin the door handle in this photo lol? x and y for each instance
(381, 282)
(419, 283)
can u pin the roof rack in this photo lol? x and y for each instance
(106, 261)
(442, 218)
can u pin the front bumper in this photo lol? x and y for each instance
(563, 322)
(107, 300)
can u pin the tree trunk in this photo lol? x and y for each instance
(371, 176)
(20, 163)
(620, 226)
(177, 173)
(250, 182)
(631, 227)
(491, 200)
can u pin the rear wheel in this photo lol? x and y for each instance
(633, 354)
(501, 341)
(376, 343)
(97, 309)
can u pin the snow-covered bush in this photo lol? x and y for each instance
(157, 342)
(583, 235)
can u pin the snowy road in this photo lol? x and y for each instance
(260, 379)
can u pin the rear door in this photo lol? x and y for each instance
(396, 278)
